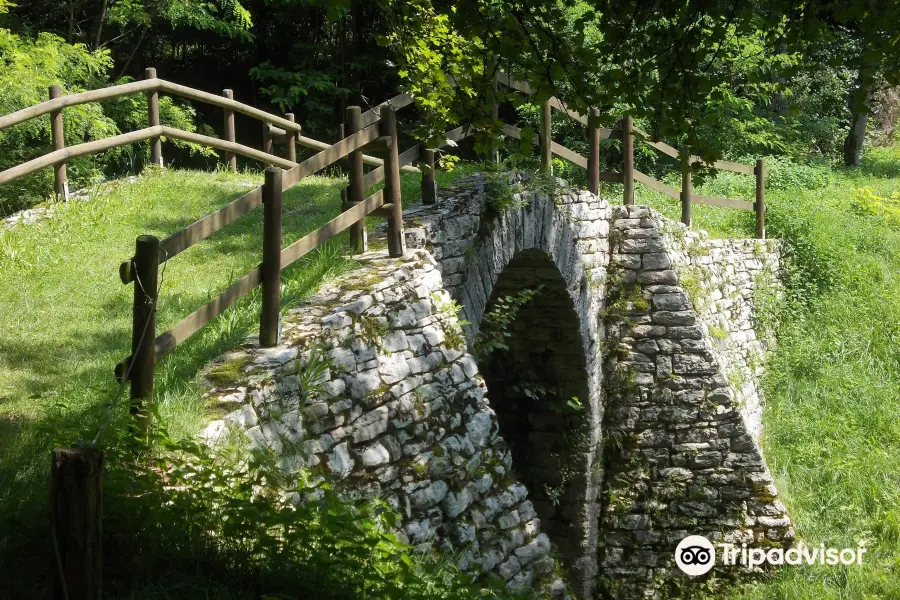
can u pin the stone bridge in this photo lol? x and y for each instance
(568, 451)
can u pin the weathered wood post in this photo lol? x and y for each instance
(153, 117)
(76, 510)
(594, 151)
(396, 238)
(143, 330)
(628, 160)
(546, 139)
(270, 315)
(344, 164)
(291, 138)
(759, 207)
(230, 157)
(429, 186)
(355, 192)
(61, 185)
(686, 186)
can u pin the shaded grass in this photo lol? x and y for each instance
(65, 321)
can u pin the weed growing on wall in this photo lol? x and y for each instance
(496, 323)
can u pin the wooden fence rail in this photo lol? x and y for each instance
(153, 348)
(627, 132)
(276, 127)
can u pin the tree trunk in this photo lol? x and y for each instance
(100, 21)
(858, 101)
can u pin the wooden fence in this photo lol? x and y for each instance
(368, 138)
(364, 134)
(626, 132)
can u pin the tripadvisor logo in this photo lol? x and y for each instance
(695, 555)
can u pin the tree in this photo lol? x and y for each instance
(870, 28)
(685, 68)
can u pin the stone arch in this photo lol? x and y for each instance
(532, 388)
(560, 242)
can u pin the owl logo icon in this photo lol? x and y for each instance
(695, 555)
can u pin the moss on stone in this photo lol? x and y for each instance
(229, 372)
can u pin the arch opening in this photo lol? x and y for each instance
(538, 388)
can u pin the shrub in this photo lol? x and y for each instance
(867, 202)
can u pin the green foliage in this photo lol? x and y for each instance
(503, 196)
(496, 323)
(237, 519)
(227, 18)
(866, 201)
(27, 69)
(451, 326)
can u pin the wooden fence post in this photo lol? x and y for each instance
(270, 316)
(230, 157)
(76, 509)
(61, 185)
(759, 207)
(686, 186)
(291, 139)
(395, 235)
(153, 117)
(143, 330)
(429, 186)
(594, 151)
(628, 160)
(344, 164)
(355, 192)
(546, 139)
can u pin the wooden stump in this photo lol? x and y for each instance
(76, 510)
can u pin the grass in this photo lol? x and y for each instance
(65, 321)
(832, 422)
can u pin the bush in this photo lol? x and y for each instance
(867, 202)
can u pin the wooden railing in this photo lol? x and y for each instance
(626, 132)
(274, 127)
(363, 134)
(374, 132)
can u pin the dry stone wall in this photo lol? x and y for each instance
(732, 285)
(375, 387)
(680, 456)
